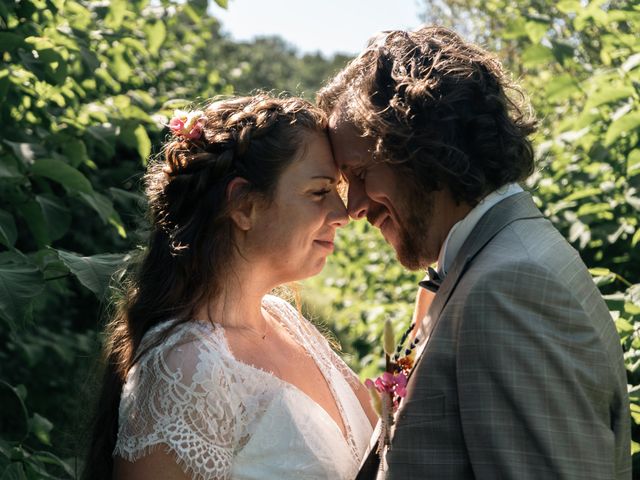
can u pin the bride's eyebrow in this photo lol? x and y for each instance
(325, 177)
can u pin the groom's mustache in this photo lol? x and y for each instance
(375, 217)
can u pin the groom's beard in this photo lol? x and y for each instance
(413, 251)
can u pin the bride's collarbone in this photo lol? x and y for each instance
(276, 353)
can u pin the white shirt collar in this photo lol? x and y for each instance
(461, 230)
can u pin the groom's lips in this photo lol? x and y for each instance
(378, 220)
(328, 244)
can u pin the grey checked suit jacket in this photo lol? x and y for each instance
(522, 377)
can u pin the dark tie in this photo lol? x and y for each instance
(434, 281)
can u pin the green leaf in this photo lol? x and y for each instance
(621, 127)
(633, 162)
(602, 276)
(75, 151)
(18, 283)
(609, 95)
(580, 194)
(593, 208)
(636, 238)
(4, 83)
(104, 206)
(8, 230)
(120, 67)
(560, 87)
(51, 459)
(144, 144)
(156, 34)
(536, 55)
(101, 204)
(15, 471)
(13, 415)
(33, 215)
(10, 41)
(56, 215)
(623, 326)
(64, 174)
(223, 3)
(41, 428)
(536, 30)
(569, 6)
(117, 10)
(93, 272)
(632, 309)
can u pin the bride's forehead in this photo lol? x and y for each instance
(315, 160)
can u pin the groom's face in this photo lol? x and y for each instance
(381, 193)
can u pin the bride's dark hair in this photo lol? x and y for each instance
(190, 237)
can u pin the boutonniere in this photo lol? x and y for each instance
(388, 389)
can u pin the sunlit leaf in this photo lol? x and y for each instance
(156, 34)
(536, 30)
(560, 87)
(630, 63)
(144, 144)
(41, 428)
(622, 126)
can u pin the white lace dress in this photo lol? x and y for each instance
(224, 419)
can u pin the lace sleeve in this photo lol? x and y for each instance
(177, 397)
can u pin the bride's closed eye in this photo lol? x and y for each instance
(321, 193)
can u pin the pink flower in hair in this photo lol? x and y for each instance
(187, 124)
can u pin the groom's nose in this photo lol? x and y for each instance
(357, 200)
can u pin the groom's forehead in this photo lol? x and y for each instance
(350, 148)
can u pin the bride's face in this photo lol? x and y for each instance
(294, 234)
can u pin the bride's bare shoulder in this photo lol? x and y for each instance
(159, 464)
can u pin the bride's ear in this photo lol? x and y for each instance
(241, 203)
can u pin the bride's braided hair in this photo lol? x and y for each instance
(191, 239)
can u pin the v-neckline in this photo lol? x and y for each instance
(346, 435)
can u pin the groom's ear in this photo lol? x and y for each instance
(241, 203)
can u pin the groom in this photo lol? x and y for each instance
(520, 375)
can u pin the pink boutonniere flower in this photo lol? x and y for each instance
(187, 124)
(388, 389)
(390, 383)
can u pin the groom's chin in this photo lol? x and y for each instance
(410, 257)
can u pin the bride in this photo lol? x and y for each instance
(208, 376)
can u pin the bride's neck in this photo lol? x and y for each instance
(238, 305)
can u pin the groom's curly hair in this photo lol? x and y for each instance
(441, 108)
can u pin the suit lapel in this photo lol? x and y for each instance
(516, 207)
